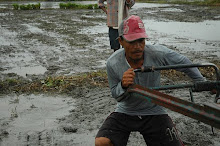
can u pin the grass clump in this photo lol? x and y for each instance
(27, 7)
(77, 6)
(56, 84)
(15, 6)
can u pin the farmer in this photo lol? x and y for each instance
(116, 11)
(132, 113)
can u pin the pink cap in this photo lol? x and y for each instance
(132, 29)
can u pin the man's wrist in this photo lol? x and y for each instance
(123, 86)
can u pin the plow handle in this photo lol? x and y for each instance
(206, 86)
(198, 87)
(156, 68)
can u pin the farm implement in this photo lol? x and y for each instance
(208, 113)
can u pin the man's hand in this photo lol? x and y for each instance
(128, 78)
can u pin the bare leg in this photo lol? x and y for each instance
(103, 141)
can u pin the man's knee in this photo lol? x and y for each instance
(103, 141)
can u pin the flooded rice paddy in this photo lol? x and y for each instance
(37, 44)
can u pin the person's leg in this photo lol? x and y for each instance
(113, 35)
(103, 141)
(114, 131)
(160, 131)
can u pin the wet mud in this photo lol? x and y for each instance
(38, 44)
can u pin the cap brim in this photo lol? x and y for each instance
(135, 36)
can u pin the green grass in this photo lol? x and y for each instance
(77, 6)
(62, 6)
(27, 7)
(202, 3)
(54, 84)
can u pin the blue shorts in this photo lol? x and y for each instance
(157, 130)
(113, 35)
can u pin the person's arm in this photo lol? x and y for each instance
(174, 58)
(102, 5)
(119, 86)
(130, 3)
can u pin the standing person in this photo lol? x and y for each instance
(116, 11)
(133, 113)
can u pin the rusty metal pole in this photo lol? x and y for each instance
(208, 113)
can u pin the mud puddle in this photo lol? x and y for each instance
(27, 115)
(30, 70)
(199, 38)
(202, 37)
(206, 30)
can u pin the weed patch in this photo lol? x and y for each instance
(60, 84)
(65, 84)
(77, 6)
(27, 7)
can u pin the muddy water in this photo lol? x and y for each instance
(64, 42)
(188, 36)
(191, 38)
(206, 30)
(29, 114)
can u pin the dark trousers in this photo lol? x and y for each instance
(113, 35)
(157, 130)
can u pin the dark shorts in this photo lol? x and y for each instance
(113, 35)
(157, 130)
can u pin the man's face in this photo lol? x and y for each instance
(134, 50)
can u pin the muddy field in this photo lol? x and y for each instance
(49, 42)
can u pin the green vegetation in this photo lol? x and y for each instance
(190, 2)
(62, 6)
(16, 6)
(66, 84)
(77, 6)
(27, 7)
(60, 84)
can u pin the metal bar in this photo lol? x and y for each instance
(179, 66)
(191, 95)
(168, 87)
(153, 68)
(207, 114)
(196, 87)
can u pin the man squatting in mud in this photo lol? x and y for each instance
(133, 113)
(116, 11)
